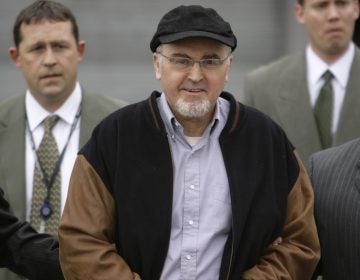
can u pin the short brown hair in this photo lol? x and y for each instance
(44, 11)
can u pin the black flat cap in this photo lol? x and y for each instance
(192, 21)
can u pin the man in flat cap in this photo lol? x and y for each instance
(190, 183)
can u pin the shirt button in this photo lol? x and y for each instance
(191, 222)
(188, 257)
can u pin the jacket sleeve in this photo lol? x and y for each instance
(23, 250)
(86, 231)
(297, 255)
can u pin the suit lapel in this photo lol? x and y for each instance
(349, 122)
(12, 146)
(294, 108)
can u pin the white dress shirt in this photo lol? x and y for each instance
(340, 70)
(35, 115)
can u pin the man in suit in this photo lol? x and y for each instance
(23, 250)
(335, 175)
(47, 51)
(288, 89)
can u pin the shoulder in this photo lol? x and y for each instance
(119, 129)
(95, 107)
(277, 68)
(357, 51)
(258, 130)
(260, 121)
(348, 152)
(356, 63)
(102, 101)
(266, 143)
(121, 119)
(12, 107)
(12, 102)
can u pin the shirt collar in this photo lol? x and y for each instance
(36, 113)
(340, 68)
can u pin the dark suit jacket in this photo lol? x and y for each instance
(280, 90)
(24, 251)
(335, 174)
(12, 144)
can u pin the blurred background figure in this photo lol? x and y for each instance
(42, 129)
(314, 95)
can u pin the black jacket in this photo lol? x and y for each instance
(122, 189)
(23, 250)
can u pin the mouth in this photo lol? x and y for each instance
(334, 30)
(50, 76)
(194, 90)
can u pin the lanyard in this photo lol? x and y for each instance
(49, 181)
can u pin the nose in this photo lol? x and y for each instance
(49, 58)
(333, 11)
(195, 73)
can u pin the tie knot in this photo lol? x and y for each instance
(50, 121)
(327, 76)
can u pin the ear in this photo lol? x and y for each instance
(157, 66)
(81, 50)
(228, 69)
(14, 55)
(356, 9)
(299, 13)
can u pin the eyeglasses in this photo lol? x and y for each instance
(185, 63)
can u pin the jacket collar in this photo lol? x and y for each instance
(231, 124)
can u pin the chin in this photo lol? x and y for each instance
(53, 95)
(193, 109)
(337, 48)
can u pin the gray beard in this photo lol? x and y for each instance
(192, 109)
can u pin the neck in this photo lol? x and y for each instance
(194, 127)
(331, 57)
(51, 104)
